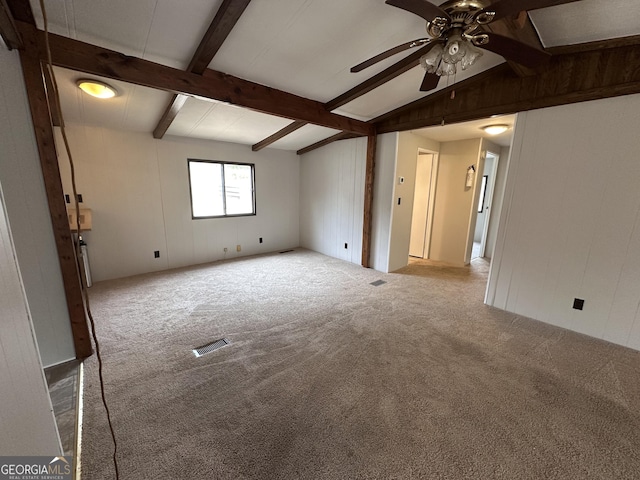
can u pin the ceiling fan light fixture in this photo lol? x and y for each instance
(496, 129)
(96, 88)
(431, 59)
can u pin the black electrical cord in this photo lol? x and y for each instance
(85, 292)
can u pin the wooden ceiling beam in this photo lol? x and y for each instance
(228, 15)
(327, 141)
(21, 11)
(225, 19)
(87, 58)
(292, 127)
(576, 76)
(8, 30)
(372, 83)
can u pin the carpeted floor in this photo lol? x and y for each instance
(329, 377)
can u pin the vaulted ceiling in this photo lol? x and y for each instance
(302, 47)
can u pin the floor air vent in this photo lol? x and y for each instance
(210, 347)
(377, 283)
(286, 251)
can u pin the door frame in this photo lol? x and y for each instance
(489, 196)
(435, 163)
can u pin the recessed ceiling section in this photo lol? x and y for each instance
(135, 108)
(220, 121)
(467, 130)
(303, 137)
(587, 21)
(307, 48)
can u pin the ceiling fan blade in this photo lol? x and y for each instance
(505, 8)
(429, 82)
(389, 53)
(515, 50)
(422, 8)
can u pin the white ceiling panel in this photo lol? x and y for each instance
(587, 21)
(135, 108)
(224, 122)
(163, 31)
(303, 137)
(307, 47)
(468, 130)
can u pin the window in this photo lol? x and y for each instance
(221, 189)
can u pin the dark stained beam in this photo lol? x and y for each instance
(170, 113)
(43, 130)
(609, 69)
(53, 105)
(8, 29)
(326, 141)
(21, 10)
(87, 58)
(292, 127)
(633, 40)
(367, 220)
(381, 78)
(227, 16)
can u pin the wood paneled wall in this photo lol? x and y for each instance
(570, 224)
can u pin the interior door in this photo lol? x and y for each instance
(421, 196)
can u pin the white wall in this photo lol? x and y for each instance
(138, 190)
(481, 217)
(407, 157)
(454, 212)
(27, 425)
(332, 199)
(28, 213)
(570, 225)
(385, 163)
(496, 205)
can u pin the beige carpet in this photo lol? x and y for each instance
(328, 377)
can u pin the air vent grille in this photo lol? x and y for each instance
(210, 347)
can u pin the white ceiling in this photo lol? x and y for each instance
(468, 130)
(303, 47)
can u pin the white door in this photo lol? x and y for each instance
(424, 169)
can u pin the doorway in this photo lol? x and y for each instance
(487, 179)
(423, 202)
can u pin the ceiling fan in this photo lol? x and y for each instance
(456, 35)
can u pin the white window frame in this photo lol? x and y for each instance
(224, 196)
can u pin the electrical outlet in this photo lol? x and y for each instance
(226, 249)
(238, 248)
(346, 245)
(260, 240)
(156, 254)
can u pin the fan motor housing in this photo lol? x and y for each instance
(463, 13)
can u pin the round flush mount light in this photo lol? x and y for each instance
(96, 88)
(495, 129)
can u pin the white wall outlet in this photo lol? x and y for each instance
(400, 180)
(238, 248)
